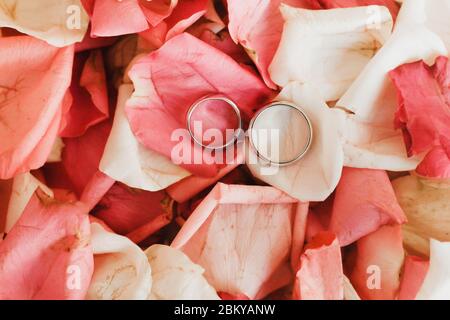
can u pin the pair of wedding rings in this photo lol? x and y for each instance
(295, 126)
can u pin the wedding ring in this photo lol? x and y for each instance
(293, 134)
(203, 102)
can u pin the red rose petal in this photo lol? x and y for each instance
(89, 95)
(125, 209)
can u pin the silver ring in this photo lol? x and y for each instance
(228, 101)
(298, 156)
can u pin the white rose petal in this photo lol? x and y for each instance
(316, 175)
(121, 268)
(176, 277)
(127, 161)
(328, 48)
(436, 285)
(58, 22)
(371, 141)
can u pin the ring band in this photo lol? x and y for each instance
(299, 155)
(229, 102)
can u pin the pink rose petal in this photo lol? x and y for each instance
(47, 253)
(414, 273)
(364, 201)
(243, 236)
(224, 43)
(424, 112)
(257, 26)
(378, 262)
(157, 108)
(115, 18)
(157, 10)
(187, 188)
(424, 103)
(436, 164)
(33, 82)
(320, 276)
(186, 13)
(89, 43)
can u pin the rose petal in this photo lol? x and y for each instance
(185, 14)
(379, 259)
(56, 153)
(187, 200)
(157, 108)
(124, 209)
(97, 186)
(157, 10)
(90, 147)
(424, 102)
(320, 276)
(115, 18)
(23, 188)
(81, 174)
(414, 273)
(121, 269)
(89, 95)
(58, 22)
(317, 174)
(88, 6)
(34, 80)
(126, 160)
(427, 208)
(375, 146)
(436, 285)
(423, 112)
(348, 35)
(176, 277)
(258, 225)
(229, 297)
(89, 43)
(257, 26)
(437, 19)
(319, 217)
(329, 4)
(436, 164)
(224, 43)
(364, 202)
(313, 227)
(187, 188)
(47, 254)
(349, 292)
(372, 141)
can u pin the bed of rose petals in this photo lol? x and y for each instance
(92, 207)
